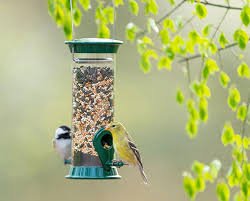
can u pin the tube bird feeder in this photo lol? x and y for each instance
(92, 108)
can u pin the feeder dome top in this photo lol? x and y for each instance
(93, 45)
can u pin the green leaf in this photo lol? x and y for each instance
(206, 30)
(200, 184)
(235, 174)
(244, 188)
(103, 31)
(238, 140)
(212, 47)
(131, 31)
(164, 36)
(233, 98)
(223, 192)
(178, 45)
(197, 168)
(146, 40)
(133, 7)
(51, 7)
(245, 15)
(246, 143)
(151, 7)
(109, 14)
(179, 22)
(190, 47)
(241, 37)
(246, 171)
(201, 10)
(243, 70)
(179, 96)
(203, 109)
(189, 186)
(145, 64)
(215, 167)
(194, 36)
(172, 2)
(85, 4)
(222, 40)
(210, 68)
(237, 153)
(168, 24)
(227, 136)
(145, 59)
(165, 62)
(192, 110)
(118, 3)
(242, 112)
(100, 15)
(224, 79)
(59, 16)
(67, 28)
(170, 53)
(192, 128)
(77, 17)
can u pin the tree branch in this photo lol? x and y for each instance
(142, 33)
(199, 55)
(170, 12)
(219, 5)
(185, 24)
(221, 21)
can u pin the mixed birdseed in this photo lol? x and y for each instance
(92, 104)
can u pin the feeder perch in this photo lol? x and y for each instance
(93, 108)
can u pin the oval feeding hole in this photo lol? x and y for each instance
(107, 141)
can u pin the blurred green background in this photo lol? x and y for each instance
(36, 99)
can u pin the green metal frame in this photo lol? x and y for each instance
(93, 45)
(106, 155)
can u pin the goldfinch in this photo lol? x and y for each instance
(125, 148)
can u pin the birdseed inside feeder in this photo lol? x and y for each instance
(92, 107)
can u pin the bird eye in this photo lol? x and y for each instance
(113, 126)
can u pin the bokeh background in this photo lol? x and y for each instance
(35, 86)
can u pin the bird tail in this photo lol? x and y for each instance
(144, 177)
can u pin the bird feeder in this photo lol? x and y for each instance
(93, 108)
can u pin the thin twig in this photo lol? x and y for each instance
(185, 24)
(221, 21)
(170, 12)
(220, 61)
(202, 65)
(219, 5)
(189, 78)
(199, 55)
(142, 33)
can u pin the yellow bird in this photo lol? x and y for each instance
(125, 147)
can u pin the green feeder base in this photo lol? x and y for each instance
(92, 172)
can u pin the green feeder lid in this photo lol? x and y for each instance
(93, 45)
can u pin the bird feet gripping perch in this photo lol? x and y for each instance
(116, 163)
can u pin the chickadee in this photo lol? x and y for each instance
(62, 143)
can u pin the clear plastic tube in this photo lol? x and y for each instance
(93, 103)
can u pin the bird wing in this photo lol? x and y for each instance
(135, 151)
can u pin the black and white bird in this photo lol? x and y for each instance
(62, 143)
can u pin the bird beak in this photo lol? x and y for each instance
(107, 128)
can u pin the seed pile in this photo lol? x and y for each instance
(92, 104)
